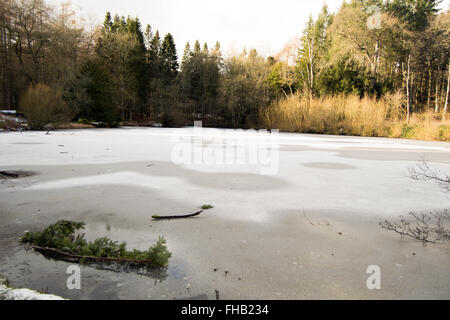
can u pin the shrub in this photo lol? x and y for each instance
(426, 227)
(444, 133)
(407, 132)
(61, 236)
(43, 105)
(173, 119)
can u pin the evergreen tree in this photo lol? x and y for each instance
(138, 62)
(187, 55)
(99, 89)
(313, 50)
(107, 24)
(122, 52)
(155, 56)
(197, 48)
(133, 27)
(217, 51)
(169, 58)
(148, 36)
(119, 24)
(216, 55)
(205, 50)
(417, 13)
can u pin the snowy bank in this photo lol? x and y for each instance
(7, 293)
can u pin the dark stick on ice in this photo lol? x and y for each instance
(177, 217)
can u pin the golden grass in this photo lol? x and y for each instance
(72, 126)
(351, 115)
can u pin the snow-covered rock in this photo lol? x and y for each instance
(11, 121)
(7, 293)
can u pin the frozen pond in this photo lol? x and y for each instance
(256, 243)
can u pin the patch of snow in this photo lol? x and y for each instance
(13, 118)
(8, 111)
(7, 293)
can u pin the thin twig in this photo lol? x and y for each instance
(424, 172)
(304, 214)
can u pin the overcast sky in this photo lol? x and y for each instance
(263, 24)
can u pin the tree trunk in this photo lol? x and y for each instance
(4, 52)
(311, 69)
(446, 97)
(412, 91)
(408, 93)
(3, 66)
(436, 108)
(429, 85)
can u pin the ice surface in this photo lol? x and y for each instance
(116, 179)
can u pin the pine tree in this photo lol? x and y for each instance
(119, 24)
(314, 48)
(107, 24)
(216, 54)
(154, 56)
(138, 61)
(169, 58)
(133, 26)
(155, 47)
(197, 48)
(187, 55)
(99, 90)
(148, 36)
(205, 50)
(217, 51)
(416, 13)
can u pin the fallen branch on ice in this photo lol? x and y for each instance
(78, 258)
(8, 174)
(177, 217)
(15, 174)
(60, 241)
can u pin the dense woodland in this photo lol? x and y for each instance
(123, 71)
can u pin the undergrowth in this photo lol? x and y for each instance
(62, 236)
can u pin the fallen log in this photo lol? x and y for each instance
(9, 174)
(177, 217)
(16, 174)
(78, 258)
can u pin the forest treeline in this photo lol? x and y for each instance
(394, 59)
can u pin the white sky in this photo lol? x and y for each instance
(263, 24)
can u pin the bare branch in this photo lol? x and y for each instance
(425, 227)
(424, 172)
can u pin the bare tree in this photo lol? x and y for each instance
(426, 227)
(424, 172)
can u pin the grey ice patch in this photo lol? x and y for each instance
(328, 166)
